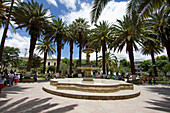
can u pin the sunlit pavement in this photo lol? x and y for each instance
(30, 98)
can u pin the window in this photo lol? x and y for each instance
(48, 63)
(54, 63)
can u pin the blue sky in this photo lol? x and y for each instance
(70, 10)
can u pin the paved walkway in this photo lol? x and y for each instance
(30, 98)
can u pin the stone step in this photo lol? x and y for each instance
(124, 94)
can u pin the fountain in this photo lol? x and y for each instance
(89, 88)
(88, 68)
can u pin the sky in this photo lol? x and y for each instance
(69, 10)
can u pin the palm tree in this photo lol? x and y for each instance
(126, 33)
(70, 39)
(45, 46)
(145, 7)
(32, 16)
(96, 46)
(110, 61)
(98, 6)
(5, 30)
(151, 47)
(3, 9)
(81, 28)
(159, 21)
(101, 34)
(58, 33)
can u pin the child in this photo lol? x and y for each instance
(2, 80)
(16, 79)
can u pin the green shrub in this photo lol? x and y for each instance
(42, 75)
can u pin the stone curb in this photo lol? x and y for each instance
(92, 97)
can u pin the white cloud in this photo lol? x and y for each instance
(49, 14)
(53, 2)
(69, 3)
(21, 42)
(84, 12)
(113, 11)
(18, 41)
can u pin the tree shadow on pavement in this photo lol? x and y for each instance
(160, 90)
(160, 105)
(12, 90)
(25, 105)
(63, 109)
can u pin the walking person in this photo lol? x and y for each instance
(16, 79)
(7, 79)
(35, 77)
(150, 80)
(2, 81)
(21, 76)
(11, 77)
(154, 80)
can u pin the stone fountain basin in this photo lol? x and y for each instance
(99, 85)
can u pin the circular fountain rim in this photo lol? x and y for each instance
(80, 82)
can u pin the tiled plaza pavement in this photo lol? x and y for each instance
(30, 98)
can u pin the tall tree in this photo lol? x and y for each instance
(10, 56)
(98, 6)
(81, 26)
(3, 9)
(126, 33)
(101, 34)
(34, 18)
(46, 46)
(159, 21)
(152, 47)
(5, 30)
(70, 39)
(58, 33)
(110, 61)
(95, 45)
(145, 7)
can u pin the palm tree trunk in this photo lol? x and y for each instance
(96, 58)
(71, 55)
(103, 53)
(58, 55)
(131, 58)
(5, 31)
(154, 64)
(45, 59)
(31, 51)
(80, 48)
